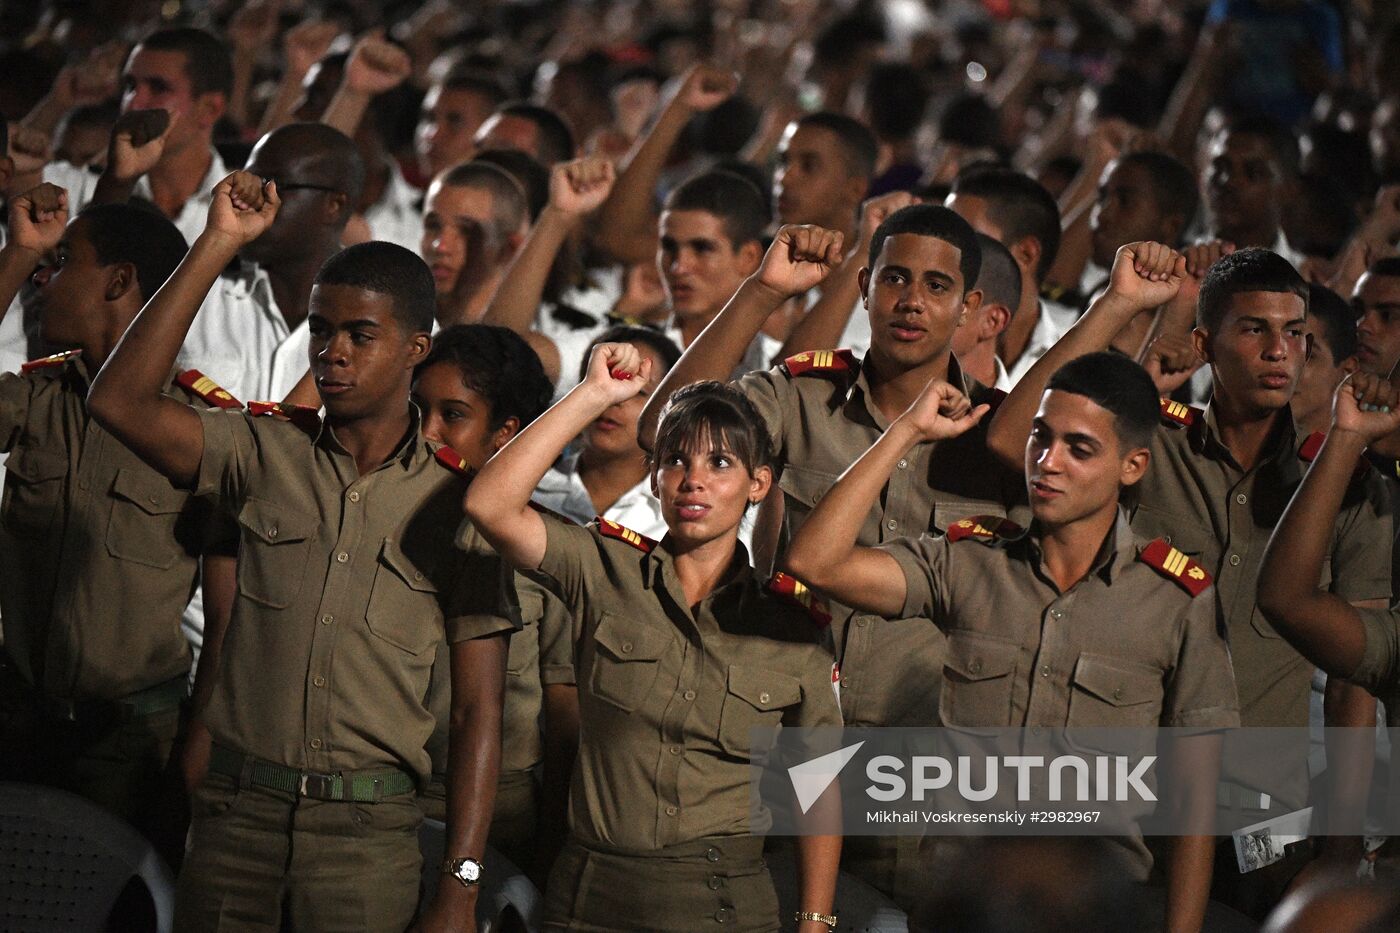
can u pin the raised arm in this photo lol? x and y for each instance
(498, 500)
(1322, 626)
(37, 221)
(800, 258)
(126, 397)
(303, 46)
(376, 66)
(627, 223)
(1144, 276)
(576, 189)
(824, 554)
(136, 145)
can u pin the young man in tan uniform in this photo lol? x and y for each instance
(98, 552)
(1074, 623)
(1221, 479)
(347, 580)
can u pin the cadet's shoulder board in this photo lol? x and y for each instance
(985, 528)
(201, 386)
(1177, 413)
(50, 362)
(820, 362)
(1312, 445)
(794, 592)
(453, 460)
(611, 529)
(304, 417)
(1171, 563)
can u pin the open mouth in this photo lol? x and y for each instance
(1044, 491)
(691, 511)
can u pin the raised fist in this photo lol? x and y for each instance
(1146, 275)
(38, 218)
(705, 87)
(376, 65)
(942, 412)
(243, 207)
(138, 142)
(800, 258)
(581, 186)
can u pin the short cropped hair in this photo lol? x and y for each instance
(1020, 206)
(509, 206)
(1336, 321)
(497, 364)
(1172, 183)
(654, 340)
(121, 233)
(999, 278)
(532, 177)
(720, 413)
(387, 269)
(208, 63)
(1117, 384)
(940, 223)
(556, 139)
(860, 150)
(465, 76)
(735, 200)
(1245, 270)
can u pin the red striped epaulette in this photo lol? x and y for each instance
(1174, 565)
(201, 386)
(1178, 413)
(304, 417)
(985, 528)
(454, 461)
(821, 361)
(794, 592)
(611, 529)
(50, 362)
(1312, 444)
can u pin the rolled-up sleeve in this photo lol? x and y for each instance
(1201, 689)
(923, 561)
(1379, 671)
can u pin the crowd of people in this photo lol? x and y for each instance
(496, 412)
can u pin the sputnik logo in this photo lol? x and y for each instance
(811, 778)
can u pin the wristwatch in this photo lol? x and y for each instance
(828, 919)
(466, 870)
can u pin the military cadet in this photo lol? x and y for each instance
(1031, 616)
(680, 652)
(478, 386)
(98, 552)
(1221, 479)
(348, 579)
(824, 408)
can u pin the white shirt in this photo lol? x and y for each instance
(562, 491)
(1054, 320)
(240, 339)
(758, 357)
(397, 217)
(856, 336)
(82, 183)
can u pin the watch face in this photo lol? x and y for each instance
(468, 870)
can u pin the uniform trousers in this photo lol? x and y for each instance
(258, 857)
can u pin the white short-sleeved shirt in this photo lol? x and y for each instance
(1055, 319)
(397, 217)
(81, 183)
(562, 491)
(758, 357)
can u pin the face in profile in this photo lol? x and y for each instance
(70, 286)
(457, 221)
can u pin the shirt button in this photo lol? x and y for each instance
(1241, 498)
(689, 694)
(670, 811)
(1057, 613)
(861, 623)
(904, 464)
(354, 495)
(715, 882)
(151, 500)
(626, 647)
(975, 667)
(342, 557)
(891, 524)
(1167, 538)
(327, 619)
(318, 680)
(763, 698)
(315, 743)
(272, 532)
(676, 750)
(1234, 560)
(1045, 670)
(845, 681)
(724, 915)
(712, 854)
(1118, 693)
(418, 575)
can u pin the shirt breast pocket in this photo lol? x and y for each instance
(273, 552)
(33, 490)
(403, 605)
(626, 660)
(1111, 693)
(977, 679)
(754, 699)
(141, 529)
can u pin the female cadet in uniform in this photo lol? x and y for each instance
(679, 653)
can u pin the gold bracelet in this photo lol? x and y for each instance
(828, 919)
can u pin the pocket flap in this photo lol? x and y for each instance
(150, 492)
(1116, 684)
(976, 657)
(628, 639)
(396, 560)
(805, 486)
(764, 690)
(275, 524)
(35, 466)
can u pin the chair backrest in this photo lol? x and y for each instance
(64, 860)
(508, 900)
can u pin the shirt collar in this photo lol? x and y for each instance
(411, 449)
(956, 377)
(1119, 548)
(1205, 437)
(659, 558)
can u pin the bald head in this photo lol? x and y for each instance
(320, 177)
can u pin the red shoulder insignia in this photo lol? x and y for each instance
(49, 362)
(794, 592)
(985, 528)
(453, 461)
(304, 417)
(1312, 445)
(821, 361)
(200, 385)
(611, 529)
(1171, 563)
(1177, 413)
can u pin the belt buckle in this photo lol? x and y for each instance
(317, 786)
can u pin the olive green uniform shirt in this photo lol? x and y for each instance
(1199, 498)
(346, 585)
(668, 697)
(1380, 665)
(99, 554)
(821, 422)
